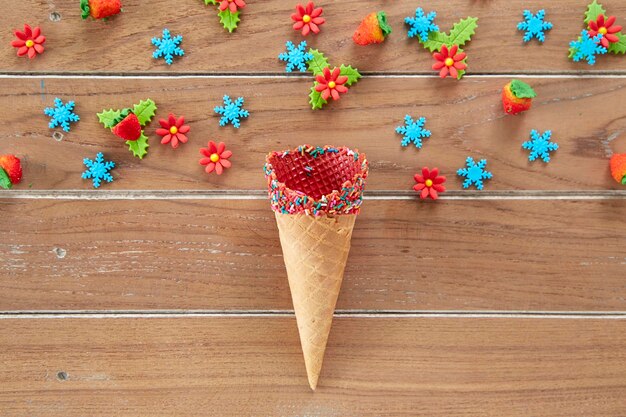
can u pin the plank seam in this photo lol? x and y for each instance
(262, 195)
(200, 75)
(87, 314)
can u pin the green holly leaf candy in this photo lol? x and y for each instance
(462, 31)
(109, 118)
(435, 41)
(207, 2)
(352, 74)
(618, 47)
(229, 19)
(145, 111)
(594, 10)
(318, 63)
(139, 147)
(315, 99)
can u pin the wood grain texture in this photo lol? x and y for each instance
(466, 119)
(530, 255)
(224, 255)
(253, 367)
(122, 44)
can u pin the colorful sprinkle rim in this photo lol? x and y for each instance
(316, 180)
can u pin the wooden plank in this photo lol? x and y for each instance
(225, 254)
(585, 116)
(122, 44)
(253, 366)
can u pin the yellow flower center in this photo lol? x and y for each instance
(30, 43)
(214, 157)
(331, 84)
(602, 30)
(173, 130)
(429, 183)
(306, 18)
(449, 62)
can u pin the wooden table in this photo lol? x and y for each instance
(164, 293)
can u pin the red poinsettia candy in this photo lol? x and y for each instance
(448, 61)
(30, 42)
(216, 158)
(330, 84)
(430, 183)
(606, 28)
(232, 5)
(173, 130)
(308, 18)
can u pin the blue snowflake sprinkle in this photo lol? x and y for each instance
(534, 25)
(540, 145)
(474, 173)
(167, 47)
(421, 24)
(413, 131)
(231, 111)
(98, 170)
(61, 114)
(587, 47)
(295, 57)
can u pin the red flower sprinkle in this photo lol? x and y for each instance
(232, 5)
(216, 158)
(448, 61)
(29, 42)
(330, 84)
(308, 18)
(173, 131)
(429, 183)
(606, 28)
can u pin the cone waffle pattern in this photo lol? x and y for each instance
(315, 250)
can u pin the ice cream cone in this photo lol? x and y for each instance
(316, 195)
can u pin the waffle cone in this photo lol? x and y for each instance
(315, 250)
(316, 194)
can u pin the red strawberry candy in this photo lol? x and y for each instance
(99, 9)
(618, 167)
(10, 170)
(373, 29)
(129, 128)
(517, 97)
